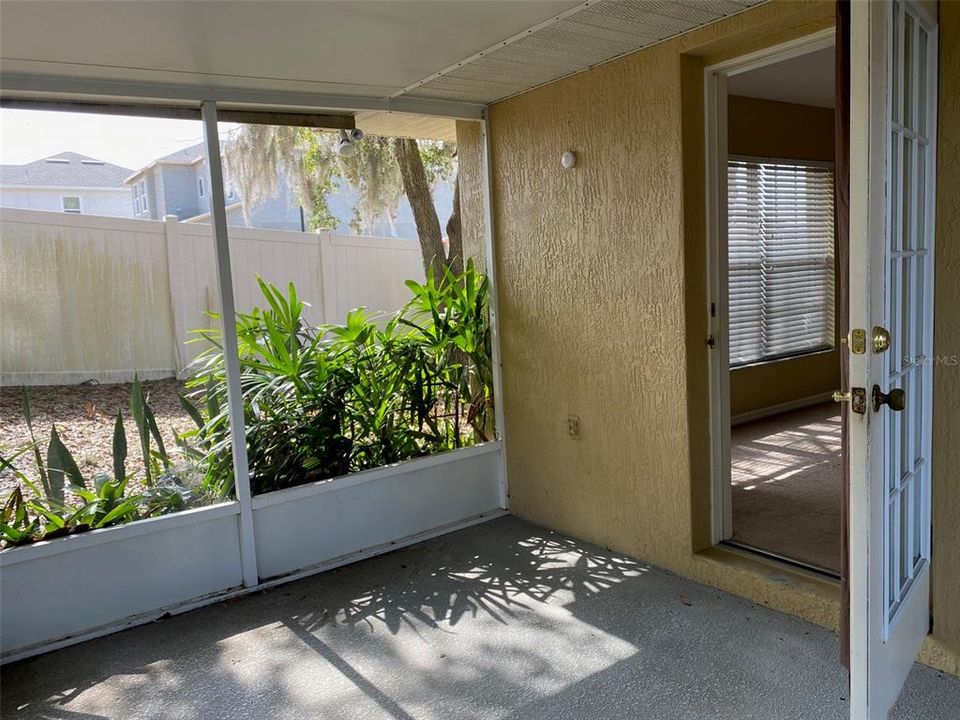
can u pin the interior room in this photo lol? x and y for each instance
(783, 311)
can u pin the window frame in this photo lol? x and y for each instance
(71, 211)
(831, 344)
(141, 206)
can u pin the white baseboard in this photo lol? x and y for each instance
(772, 410)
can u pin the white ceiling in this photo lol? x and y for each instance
(804, 80)
(401, 52)
(345, 48)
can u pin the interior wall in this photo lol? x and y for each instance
(602, 296)
(765, 128)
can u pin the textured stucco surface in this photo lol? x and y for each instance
(601, 293)
(473, 220)
(946, 341)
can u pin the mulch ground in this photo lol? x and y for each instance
(85, 416)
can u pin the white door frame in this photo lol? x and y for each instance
(715, 112)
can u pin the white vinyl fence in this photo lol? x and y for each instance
(95, 298)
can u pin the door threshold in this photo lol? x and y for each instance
(769, 555)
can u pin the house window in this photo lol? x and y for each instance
(71, 204)
(140, 205)
(200, 186)
(780, 217)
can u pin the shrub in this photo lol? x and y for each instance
(322, 401)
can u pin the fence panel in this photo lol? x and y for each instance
(90, 298)
(82, 298)
(368, 272)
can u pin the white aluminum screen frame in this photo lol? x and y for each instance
(155, 98)
(781, 258)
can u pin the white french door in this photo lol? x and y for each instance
(892, 172)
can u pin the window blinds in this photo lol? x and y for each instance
(780, 219)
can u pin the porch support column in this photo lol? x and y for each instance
(238, 433)
(493, 306)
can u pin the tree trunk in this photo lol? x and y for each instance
(417, 189)
(454, 233)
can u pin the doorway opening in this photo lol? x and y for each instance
(778, 469)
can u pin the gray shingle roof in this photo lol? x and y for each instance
(72, 170)
(187, 155)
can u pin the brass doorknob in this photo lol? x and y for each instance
(881, 339)
(896, 399)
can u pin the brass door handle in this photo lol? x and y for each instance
(896, 399)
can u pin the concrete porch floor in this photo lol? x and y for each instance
(502, 620)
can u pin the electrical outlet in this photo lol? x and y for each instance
(573, 426)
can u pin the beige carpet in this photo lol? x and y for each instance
(786, 475)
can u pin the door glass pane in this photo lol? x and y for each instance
(920, 216)
(895, 227)
(918, 514)
(922, 83)
(900, 419)
(897, 349)
(919, 321)
(906, 552)
(915, 407)
(893, 549)
(904, 308)
(895, 97)
(906, 188)
(893, 452)
(908, 66)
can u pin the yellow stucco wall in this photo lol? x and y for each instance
(472, 213)
(601, 291)
(946, 342)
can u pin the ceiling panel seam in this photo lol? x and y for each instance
(504, 43)
(425, 85)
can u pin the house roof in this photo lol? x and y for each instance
(66, 169)
(186, 155)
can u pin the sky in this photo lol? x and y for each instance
(131, 142)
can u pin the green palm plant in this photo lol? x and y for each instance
(321, 401)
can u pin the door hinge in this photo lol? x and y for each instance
(713, 309)
(711, 343)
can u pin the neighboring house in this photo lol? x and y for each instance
(67, 182)
(177, 184)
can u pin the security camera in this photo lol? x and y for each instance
(347, 139)
(346, 148)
